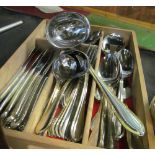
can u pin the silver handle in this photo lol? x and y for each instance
(127, 118)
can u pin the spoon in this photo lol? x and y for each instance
(128, 119)
(126, 62)
(112, 42)
(70, 65)
(109, 68)
(125, 115)
(58, 92)
(109, 72)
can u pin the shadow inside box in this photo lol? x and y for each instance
(148, 64)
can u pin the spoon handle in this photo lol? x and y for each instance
(127, 118)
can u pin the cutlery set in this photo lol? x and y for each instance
(71, 61)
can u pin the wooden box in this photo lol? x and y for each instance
(18, 139)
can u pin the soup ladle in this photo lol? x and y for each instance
(62, 71)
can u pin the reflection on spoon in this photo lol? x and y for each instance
(112, 42)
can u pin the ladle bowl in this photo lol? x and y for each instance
(67, 30)
(70, 64)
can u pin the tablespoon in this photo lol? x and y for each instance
(61, 127)
(48, 115)
(72, 128)
(112, 42)
(65, 99)
(109, 69)
(66, 61)
(109, 72)
(128, 119)
(62, 85)
(62, 65)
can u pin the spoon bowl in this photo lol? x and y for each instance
(108, 71)
(126, 62)
(112, 42)
(70, 64)
(109, 68)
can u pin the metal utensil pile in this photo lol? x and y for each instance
(113, 46)
(71, 97)
(18, 98)
(64, 114)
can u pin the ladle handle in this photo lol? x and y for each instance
(127, 118)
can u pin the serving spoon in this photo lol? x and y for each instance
(108, 71)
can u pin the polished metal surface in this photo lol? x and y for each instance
(128, 119)
(112, 43)
(21, 95)
(109, 71)
(126, 62)
(71, 69)
(69, 124)
(67, 30)
(8, 91)
(126, 69)
(68, 63)
(109, 68)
